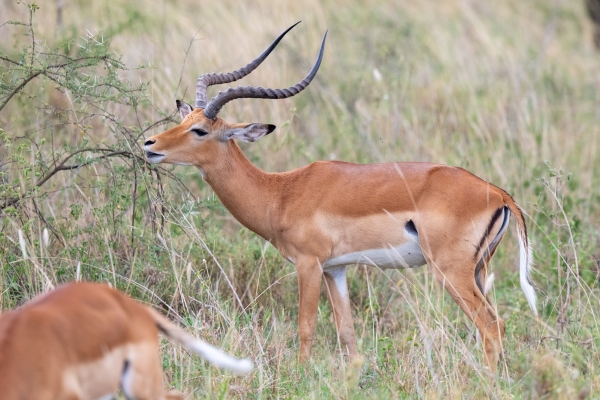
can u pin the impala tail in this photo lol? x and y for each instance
(525, 253)
(211, 354)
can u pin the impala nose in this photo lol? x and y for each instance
(149, 142)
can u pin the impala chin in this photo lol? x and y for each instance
(154, 158)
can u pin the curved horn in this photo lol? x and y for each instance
(216, 78)
(215, 104)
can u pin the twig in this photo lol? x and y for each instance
(586, 342)
(133, 198)
(39, 213)
(63, 167)
(192, 40)
(10, 61)
(21, 86)
(155, 124)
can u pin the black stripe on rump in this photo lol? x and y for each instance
(492, 244)
(495, 217)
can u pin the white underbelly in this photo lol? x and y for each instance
(407, 255)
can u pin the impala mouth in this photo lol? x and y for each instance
(153, 157)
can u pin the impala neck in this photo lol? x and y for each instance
(246, 191)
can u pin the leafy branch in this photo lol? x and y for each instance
(89, 74)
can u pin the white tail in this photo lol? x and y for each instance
(209, 353)
(219, 358)
(525, 253)
(525, 267)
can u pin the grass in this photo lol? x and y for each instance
(508, 90)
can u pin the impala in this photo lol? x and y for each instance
(84, 340)
(331, 214)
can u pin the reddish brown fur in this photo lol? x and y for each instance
(329, 208)
(85, 330)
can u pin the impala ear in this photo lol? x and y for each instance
(250, 132)
(184, 108)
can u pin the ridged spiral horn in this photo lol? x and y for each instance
(207, 80)
(214, 106)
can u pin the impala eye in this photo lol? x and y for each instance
(200, 132)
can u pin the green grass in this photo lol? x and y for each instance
(508, 90)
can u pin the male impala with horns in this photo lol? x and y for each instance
(331, 214)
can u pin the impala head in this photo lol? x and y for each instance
(197, 138)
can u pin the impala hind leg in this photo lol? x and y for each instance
(309, 289)
(142, 375)
(337, 291)
(460, 284)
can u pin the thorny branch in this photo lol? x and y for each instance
(19, 87)
(109, 153)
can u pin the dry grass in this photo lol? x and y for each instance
(508, 90)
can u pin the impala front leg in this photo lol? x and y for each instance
(309, 288)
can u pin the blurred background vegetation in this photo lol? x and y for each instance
(509, 90)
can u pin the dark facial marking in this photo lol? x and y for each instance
(200, 132)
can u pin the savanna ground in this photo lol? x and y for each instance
(509, 90)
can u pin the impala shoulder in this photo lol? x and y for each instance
(448, 172)
(312, 171)
(330, 164)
